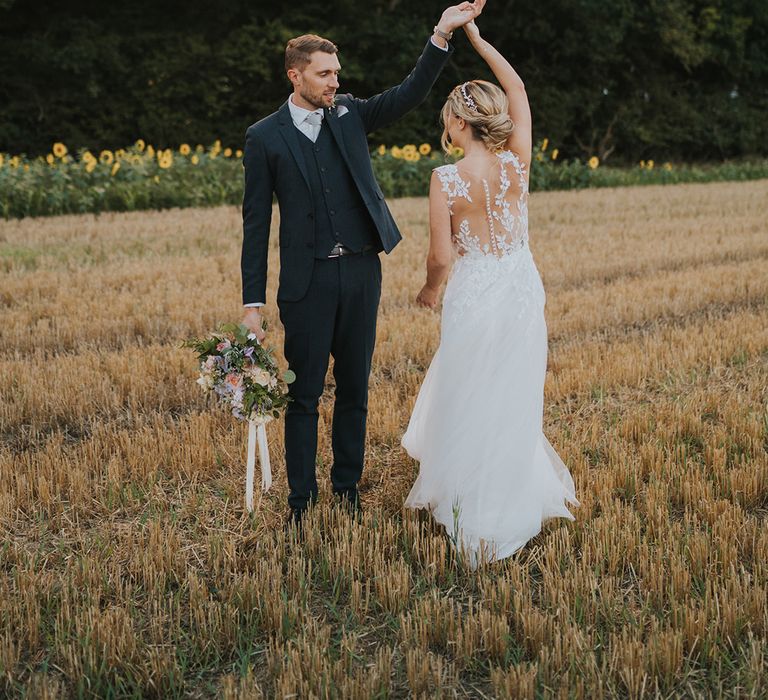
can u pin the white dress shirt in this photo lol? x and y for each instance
(310, 126)
(308, 122)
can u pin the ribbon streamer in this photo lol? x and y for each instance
(257, 433)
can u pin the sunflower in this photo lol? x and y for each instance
(106, 157)
(593, 162)
(409, 148)
(227, 152)
(2, 160)
(649, 165)
(425, 149)
(238, 153)
(554, 154)
(195, 159)
(140, 145)
(396, 152)
(165, 160)
(150, 151)
(59, 150)
(88, 157)
(381, 150)
(544, 144)
(667, 167)
(14, 162)
(115, 168)
(185, 149)
(90, 166)
(50, 159)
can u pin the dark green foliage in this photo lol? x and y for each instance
(623, 80)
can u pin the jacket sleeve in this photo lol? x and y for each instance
(388, 106)
(257, 217)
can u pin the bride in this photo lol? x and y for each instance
(487, 472)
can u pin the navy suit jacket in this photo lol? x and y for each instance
(274, 164)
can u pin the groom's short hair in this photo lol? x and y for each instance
(299, 50)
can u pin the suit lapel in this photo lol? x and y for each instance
(332, 117)
(290, 135)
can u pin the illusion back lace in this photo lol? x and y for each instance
(489, 211)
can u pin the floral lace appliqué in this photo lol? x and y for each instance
(507, 220)
(452, 184)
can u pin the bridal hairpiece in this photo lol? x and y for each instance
(468, 98)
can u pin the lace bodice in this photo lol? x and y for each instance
(489, 213)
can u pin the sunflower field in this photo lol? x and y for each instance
(144, 177)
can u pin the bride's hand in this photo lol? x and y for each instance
(427, 297)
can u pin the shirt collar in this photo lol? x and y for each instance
(299, 114)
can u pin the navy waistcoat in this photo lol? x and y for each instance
(340, 213)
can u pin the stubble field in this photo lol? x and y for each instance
(129, 567)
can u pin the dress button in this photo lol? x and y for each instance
(333, 212)
(322, 170)
(327, 189)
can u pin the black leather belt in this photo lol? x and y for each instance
(340, 250)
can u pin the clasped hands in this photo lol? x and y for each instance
(458, 15)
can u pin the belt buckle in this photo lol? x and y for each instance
(337, 251)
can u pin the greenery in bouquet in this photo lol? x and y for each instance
(242, 373)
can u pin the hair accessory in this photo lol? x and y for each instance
(468, 98)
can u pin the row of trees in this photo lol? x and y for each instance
(620, 79)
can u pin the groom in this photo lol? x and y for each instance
(313, 154)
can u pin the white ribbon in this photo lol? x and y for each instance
(257, 432)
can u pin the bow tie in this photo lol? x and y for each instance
(314, 118)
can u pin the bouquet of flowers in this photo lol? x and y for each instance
(242, 373)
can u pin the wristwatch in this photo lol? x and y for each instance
(443, 35)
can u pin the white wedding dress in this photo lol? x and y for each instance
(487, 472)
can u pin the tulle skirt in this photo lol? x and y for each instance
(487, 472)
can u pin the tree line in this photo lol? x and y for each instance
(619, 79)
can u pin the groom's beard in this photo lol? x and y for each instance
(317, 100)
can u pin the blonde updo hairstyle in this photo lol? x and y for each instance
(485, 109)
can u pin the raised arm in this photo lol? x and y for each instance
(387, 107)
(519, 109)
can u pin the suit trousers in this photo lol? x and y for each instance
(336, 317)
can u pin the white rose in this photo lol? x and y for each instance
(260, 376)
